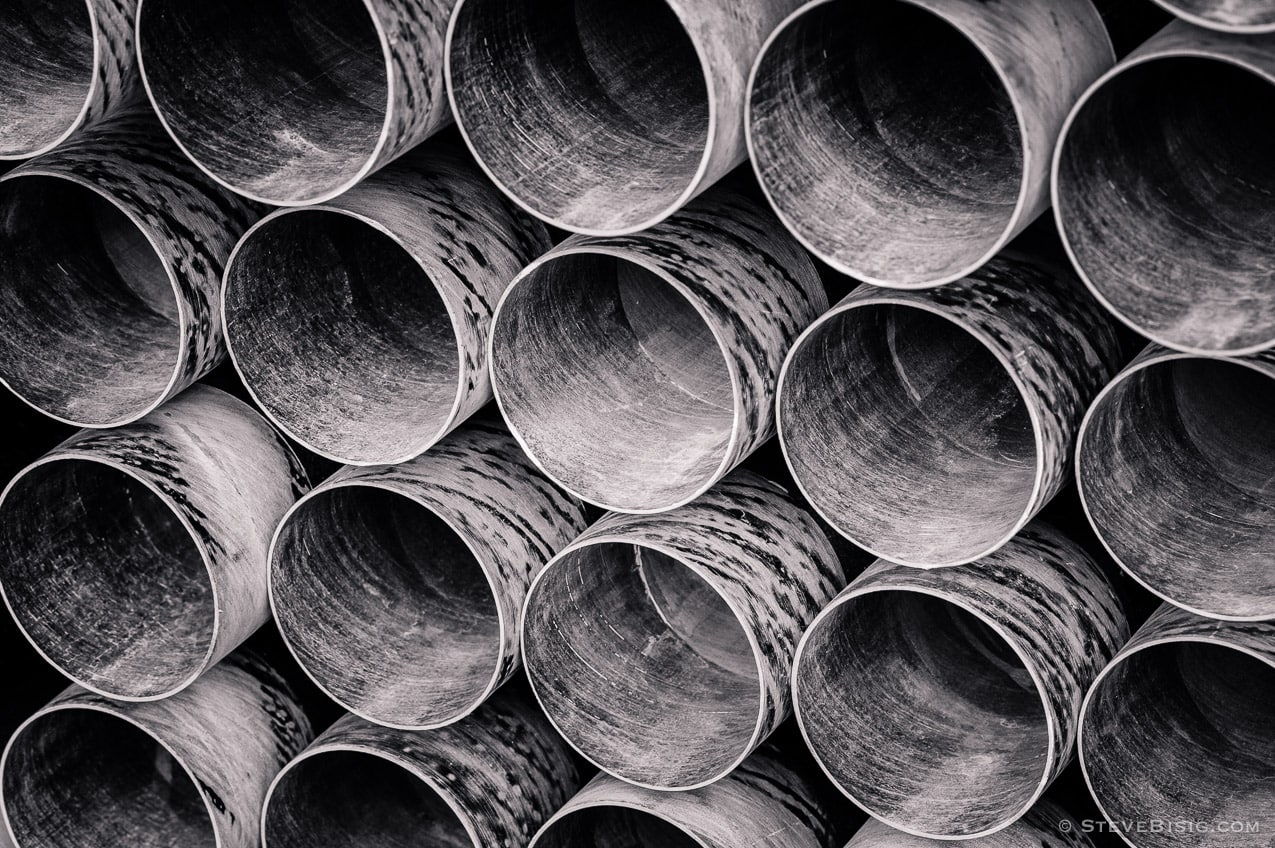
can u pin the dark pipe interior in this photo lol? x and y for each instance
(46, 62)
(613, 827)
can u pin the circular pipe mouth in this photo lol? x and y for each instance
(642, 665)
(612, 826)
(909, 434)
(1162, 182)
(924, 713)
(80, 777)
(1174, 463)
(92, 328)
(343, 798)
(887, 142)
(595, 116)
(614, 382)
(283, 101)
(342, 337)
(386, 607)
(106, 579)
(1179, 731)
(1241, 16)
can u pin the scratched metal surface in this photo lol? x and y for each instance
(1045, 825)
(1235, 16)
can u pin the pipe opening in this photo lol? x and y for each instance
(887, 141)
(353, 799)
(1227, 14)
(80, 778)
(283, 100)
(342, 337)
(1164, 190)
(92, 332)
(922, 713)
(908, 434)
(386, 606)
(614, 382)
(642, 665)
(613, 827)
(105, 579)
(1181, 732)
(1176, 466)
(594, 114)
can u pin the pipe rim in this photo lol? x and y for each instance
(571, 808)
(1207, 22)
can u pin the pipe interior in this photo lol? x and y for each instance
(614, 381)
(594, 114)
(46, 62)
(908, 434)
(613, 827)
(282, 99)
(1166, 192)
(642, 665)
(352, 799)
(79, 778)
(1176, 468)
(923, 713)
(1181, 732)
(887, 140)
(105, 578)
(1230, 13)
(385, 605)
(91, 329)
(342, 336)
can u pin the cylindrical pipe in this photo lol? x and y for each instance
(602, 117)
(66, 64)
(638, 370)
(660, 646)
(191, 770)
(930, 426)
(905, 142)
(944, 701)
(361, 326)
(398, 588)
(134, 559)
(1045, 825)
(294, 101)
(1231, 16)
(1162, 190)
(1174, 462)
(489, 781)
(111, 250)
(1176, 732)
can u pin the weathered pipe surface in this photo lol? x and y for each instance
(134, 559)
(294, 101)
(66, 64)
(191, 770)
(361, 326)
(1163, 186)
(1178, 730)
(1045, 825)
(488, 782)
(660, 646)
(929, 426)
(638, 370)
(944, 701)
(1174, 464)
(111, 251)
(602, 117)
(1232, 16)
(905, 142)
(398, 588)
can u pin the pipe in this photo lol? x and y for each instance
(944, 701)
(134, 559)
(398, 588)
(930, 426)
(1173, 464)
(292, 102)
(488, 781)
(605, 118)
(66, 65)
(660, 646)
(902, 141)
(1162, 185)
(638, 370)
(360, 326)
(1176, 731)
(1230, 16)
(191, 770)
(1045, 825)
(111, 249)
